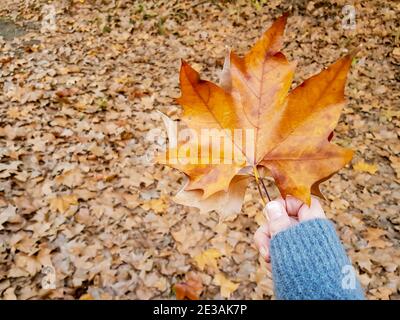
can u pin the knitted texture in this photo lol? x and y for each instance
(310, 263)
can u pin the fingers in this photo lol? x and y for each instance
(278, 217)
(293, 205)
(313, 212)
(281, 215)
(261, 239)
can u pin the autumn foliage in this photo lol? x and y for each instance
(292, 129)
(190, 289)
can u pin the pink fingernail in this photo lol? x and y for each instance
(263, 252)
(274, 210)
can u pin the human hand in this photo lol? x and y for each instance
(282, 214)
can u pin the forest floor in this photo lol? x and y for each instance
(84, 215)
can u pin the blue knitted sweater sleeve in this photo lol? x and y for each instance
(310, 263)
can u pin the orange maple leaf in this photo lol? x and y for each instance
(291, 131)
(191, 288)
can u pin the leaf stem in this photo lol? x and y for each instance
(256, 175)
(265, 189)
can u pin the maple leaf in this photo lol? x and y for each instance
(159, 205)
(208, 258)
(191, 288)
(227, 287)
(362, 166)
(62, 203)
(291, 130)
(70, 178)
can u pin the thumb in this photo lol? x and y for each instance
(278, 218)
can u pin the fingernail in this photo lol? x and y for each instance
(263, 252)
(274, 210)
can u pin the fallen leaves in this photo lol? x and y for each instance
(227, 287)
(24, 94)
(395, 163)
(70, 178)
(67, 92)
(26, 265)
(7, 214)
(62, 203)
(159, 205)
(362, 166)
(208, 258)
(86, 296)
(374, 238)
(191, 288)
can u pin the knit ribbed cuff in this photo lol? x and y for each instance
(309, 262)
